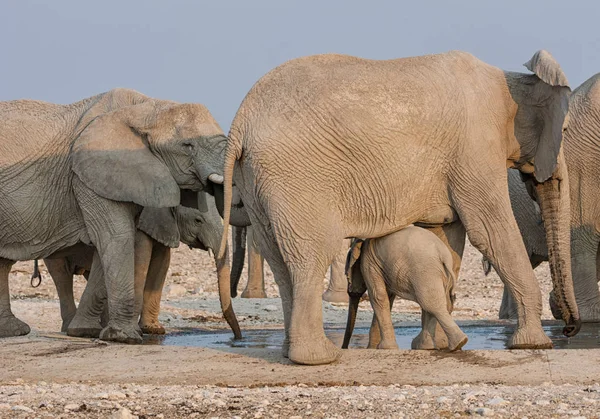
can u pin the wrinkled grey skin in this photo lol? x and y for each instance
(581, 147)
(81, 173)
(413, 264)
(327, 147)
(197, 229)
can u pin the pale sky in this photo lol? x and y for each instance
(212, 52)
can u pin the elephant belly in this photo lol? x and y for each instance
(37, 217)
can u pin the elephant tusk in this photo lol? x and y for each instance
(215, 178)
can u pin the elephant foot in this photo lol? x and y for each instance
(530, 337)
(11, 326)
(314, 351)
(336, 296)
(254, 293)
(129, 334)
(456, 342)
(154, 328)
(84, 328)
(66, 322)
(387, 344)
(423, 341)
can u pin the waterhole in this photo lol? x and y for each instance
(484, 335)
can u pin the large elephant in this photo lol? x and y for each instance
(581, 147)
(81, 173)
(328, 147)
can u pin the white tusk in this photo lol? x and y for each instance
(214, 178)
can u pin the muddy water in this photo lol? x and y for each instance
(482, 335)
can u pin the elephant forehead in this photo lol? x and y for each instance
(206, 129)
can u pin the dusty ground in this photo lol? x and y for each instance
(46, 375)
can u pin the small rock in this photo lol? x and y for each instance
(175, 290)
(116, 395)
(497, 401)
(424, 406)
(270, 307)
(542, 402)
(20, 408)
(74, 407)
(484, 411)
(444, 399)
(122, 413)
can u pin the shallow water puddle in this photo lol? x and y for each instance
(487, 335)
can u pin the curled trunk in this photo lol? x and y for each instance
(553, 196)
(352, 311)
(223, 276)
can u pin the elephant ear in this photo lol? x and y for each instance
(160, 224)
(112, 157)
(554, 99)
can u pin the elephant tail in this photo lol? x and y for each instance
(36, 277)
(222, 258)
(487, 266)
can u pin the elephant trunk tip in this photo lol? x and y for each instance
(572, 328)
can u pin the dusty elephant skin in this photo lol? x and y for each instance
(412, 264)
(581, 144)
(331, 146)
(80, 173)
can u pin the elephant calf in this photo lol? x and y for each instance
(413, 264)
(196, 229)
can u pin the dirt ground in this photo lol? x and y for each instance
(47, 374)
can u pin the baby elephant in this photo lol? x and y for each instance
(413, 264)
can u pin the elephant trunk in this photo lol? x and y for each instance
(238, 240)
(223, 276)
(553, 196)
(237, 216)
(352, 311)
(222, 256)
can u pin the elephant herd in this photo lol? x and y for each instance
(406, 157)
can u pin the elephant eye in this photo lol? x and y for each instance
(198, 220)
(188, 146)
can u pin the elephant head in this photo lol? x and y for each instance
(541, 115)
(146, 152)
(356, 287)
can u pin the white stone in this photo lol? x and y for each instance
(175, 290)
(72, 407)
(542, 402)
(122, 413)
(444, 399)
(497, 401)
(20, 408)
(270, 307)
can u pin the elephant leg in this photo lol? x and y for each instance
(432, 336)
(268, 247)
(508, 307)
(492, 229)
(255, 288)
(62, 276)
(380, 301)
(435, 314)
(337, 291)
(155, 281)
(87, 319)
(584, 252)
(374, 331)
(9, 324)
(144, 246)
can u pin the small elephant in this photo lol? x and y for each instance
(196, 229)
(413, 264)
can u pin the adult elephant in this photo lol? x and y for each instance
(331, 146)
(581, 146)
(81, 173)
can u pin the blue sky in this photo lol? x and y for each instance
(213, 51)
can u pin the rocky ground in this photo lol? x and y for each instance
(82, 378)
